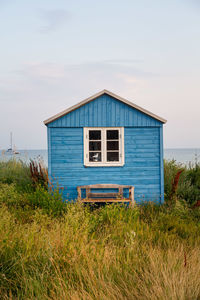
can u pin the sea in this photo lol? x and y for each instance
(184, 156)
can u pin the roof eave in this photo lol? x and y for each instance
(76, 106)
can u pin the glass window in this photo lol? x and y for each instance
(103, 146)
(95, 134)
(95, 145)
(112, 134)
(112, 137)
(112, 145)
(112, 156)
(95, 156)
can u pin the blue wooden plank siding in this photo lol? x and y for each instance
(143, 145)
(141, 169)
(105, 111)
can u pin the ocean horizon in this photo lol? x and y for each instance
(185, 156)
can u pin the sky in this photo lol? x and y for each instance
(54, 54)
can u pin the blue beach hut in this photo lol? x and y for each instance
(107, 139)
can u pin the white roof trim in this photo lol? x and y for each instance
(68, 110)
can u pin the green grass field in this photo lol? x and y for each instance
(50, 250)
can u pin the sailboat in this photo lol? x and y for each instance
(12, 150)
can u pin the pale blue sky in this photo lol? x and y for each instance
(54, 54)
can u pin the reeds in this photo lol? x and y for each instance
(39, 174)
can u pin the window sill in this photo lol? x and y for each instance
(104, 165)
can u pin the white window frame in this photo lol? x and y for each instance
(103, 163)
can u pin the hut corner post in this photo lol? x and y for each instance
(161, 167)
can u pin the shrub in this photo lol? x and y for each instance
(16, 172)
(188, 187)
(24, 204)
(52, 203)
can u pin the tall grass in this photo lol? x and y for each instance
(148, 252)
(188, 187)
(50, 250)
(17, 172)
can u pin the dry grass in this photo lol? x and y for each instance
(50, 250)
(105, 254)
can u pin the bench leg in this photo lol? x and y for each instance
(132, 203)
(79, 194)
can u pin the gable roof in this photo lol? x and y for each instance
(68, 110)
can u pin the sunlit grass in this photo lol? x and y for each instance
(108, 253)
(53, 250)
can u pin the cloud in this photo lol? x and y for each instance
(123, 61)
(49, 72)
(49, 82)
(44, 71)
(53, 19)
(41, 89)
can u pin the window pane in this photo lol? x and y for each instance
(112, 156)
(94, 145)
(95, 156)
(112, 134)
(113, 145)
(94, 134)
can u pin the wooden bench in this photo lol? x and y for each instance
(101, 197)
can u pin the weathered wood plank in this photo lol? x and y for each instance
(79, 193)
(104, 186)
(94, 197)
(121, 191)
(132, 202)
(87, 192)
(106, 200)
(102, 195)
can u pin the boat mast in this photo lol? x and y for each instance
(11, 140)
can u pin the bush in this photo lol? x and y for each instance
(25, 203)
(16, 172)
(52, 203)
(188, 187)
